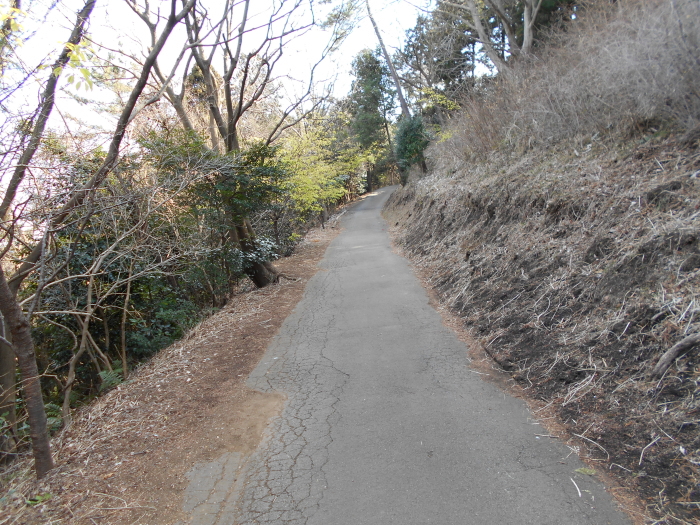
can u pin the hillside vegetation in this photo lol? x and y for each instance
(555, 208)
(139, 191)
(560, 219)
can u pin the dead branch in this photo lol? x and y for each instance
(672, 353)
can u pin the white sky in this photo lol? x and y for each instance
(113, 18)
(115, 26)
(394, 18)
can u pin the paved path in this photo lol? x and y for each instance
(384, 422)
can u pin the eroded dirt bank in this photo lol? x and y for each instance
(576, 269)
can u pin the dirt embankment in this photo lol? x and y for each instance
(576, 269)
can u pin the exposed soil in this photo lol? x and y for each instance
(125, 458)
(575, 270)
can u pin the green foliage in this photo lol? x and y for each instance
(371, 98)
(39, 499)
(79, 55)
(54, 417)
(20, 432)
(110, 378)
(319, 169)
(10, 28)
(175, 152)
(431, 98)
(371, 105)
(411, 140)
(240, 182)
(5, 427)
(439, 54)
(160, 314)
(253, 181)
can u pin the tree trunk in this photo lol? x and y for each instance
(529, 17)
(484, 37)
(65, 409)
(262, 273)
(8, 368)
(399, 92)
(79, 196)
(527, 29)
(45, 107)
(388, 133)
(5, 34)
(122, 350)
(23, 346)
(105, 328)
(324, 215)
(20, 329)
(213, 134)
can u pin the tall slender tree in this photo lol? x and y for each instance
(371, 102)
(437, 61)
(506, 28)
(405, 112)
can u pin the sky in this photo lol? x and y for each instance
(394, 18)
(112, 17)
(114, 25)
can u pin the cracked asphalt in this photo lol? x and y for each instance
(384, 421)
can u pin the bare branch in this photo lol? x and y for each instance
(45, 107)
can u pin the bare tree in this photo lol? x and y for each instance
(478, 21)
(136, 218)
(17, 337)
(247, 54)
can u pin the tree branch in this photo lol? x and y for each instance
(47, 102)
(671, 354)
(110, 161)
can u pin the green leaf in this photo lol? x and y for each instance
(39, 499)
(110, 378)
(586, 471)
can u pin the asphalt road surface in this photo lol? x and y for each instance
(384, 422)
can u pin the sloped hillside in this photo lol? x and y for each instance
(576, 268)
